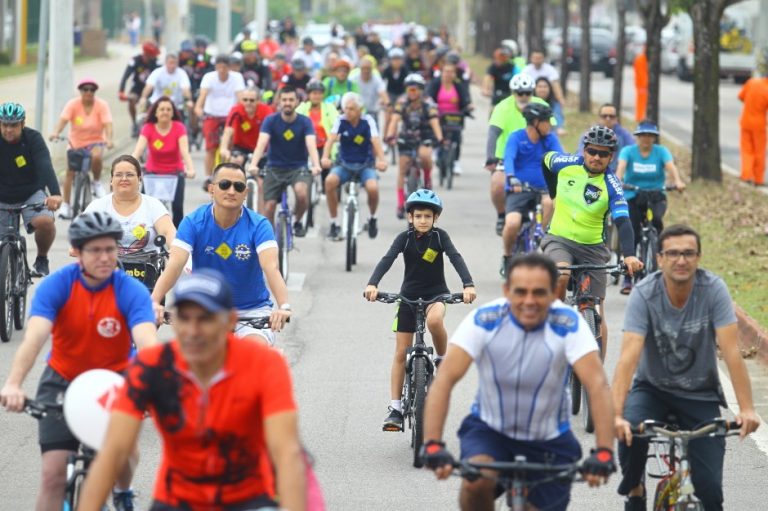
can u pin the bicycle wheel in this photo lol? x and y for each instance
(6, 300)
(442, 158)
(575, 394)
(652, 250)
(591, 317)
(21, 277)
(419, 395)
(250, 198)
(450, 159)
(282, 243)
(82, 193)
(412, 183)
(351, 236)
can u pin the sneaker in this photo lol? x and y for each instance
(505, 260)
(123, 500)
(373, 229)
(298, 230)
(500, 225)
(334, 233)
(635, 504)
(393, 421)
(401, 212)
(41, 266)
(65, 211)
(626, 288)
(135, 131)
(456, 169)
(97, 189)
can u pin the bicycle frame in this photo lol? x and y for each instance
(285, 212)
(351, 206)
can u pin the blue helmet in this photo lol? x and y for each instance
(424, 198)
(12, 112)
(647, 128)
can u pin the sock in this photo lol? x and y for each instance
(437, 358)
(335, 220)
(396, 404)
(400, 197)
(427, 175)
(371, 217)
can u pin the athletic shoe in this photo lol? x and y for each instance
(41, 266)
(97, 189)
(500, 225)
(401, 212)
(393, 421)
(123, 500)
(334, 233)
(456, 169)
(298, 230)
(635, 504)
(627, 287)
(65, 211)
(373, 229)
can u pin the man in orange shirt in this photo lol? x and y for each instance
(754, 95)
(641, 85)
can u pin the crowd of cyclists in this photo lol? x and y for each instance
(289, 116)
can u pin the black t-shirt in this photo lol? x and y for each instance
(139, 70)
(501, 76)
(395, 80)
(424, 275)
(298, 83)
(415, 65)
(25, 168)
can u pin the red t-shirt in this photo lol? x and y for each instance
(163, 154)
(214, 452)
(246, 128)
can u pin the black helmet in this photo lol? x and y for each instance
(201, 40)
(92, 225)
(536, 112)
(315, 85)
(602, 136)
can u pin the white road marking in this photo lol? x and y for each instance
(761, 435)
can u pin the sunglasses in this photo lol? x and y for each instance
(524, 93)
(249, 100)
(88, 89)
(596, 152)
(607, 116)
(226, 184)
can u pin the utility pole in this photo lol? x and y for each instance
(261, 18)
(174, 32)
(20, 48)
(61, 60)
(42, 47)
(223, 25)
(761, 37)
(461, 24)
(147, 20)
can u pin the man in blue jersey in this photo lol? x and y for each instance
(360, 142)
(522, 406)
(522, 164)
(238, 242)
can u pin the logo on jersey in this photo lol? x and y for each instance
(108, 327)
(430, 255)
(208, 250)
(107, 399)
(563, 321)
(288, 135)
(139, 232)
(242, 252)
(223, 251)
(359, 139)
(158, 144)
(21, 161)
(246, 126)
(592, 194)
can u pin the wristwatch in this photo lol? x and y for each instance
(285, 307)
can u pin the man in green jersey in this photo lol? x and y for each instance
(584, 193)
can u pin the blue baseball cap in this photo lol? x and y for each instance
(207, 288)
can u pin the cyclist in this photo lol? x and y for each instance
(268, 47)
(339, 84)
(394, 76)
(25, 173)
(507, 117)
(298, 78)
(608, 117)
(538, 67)
(524, 345)
(119, 314)
(522, 165)
(584, 193)
(90, 130)
(414, 63)
(423, 246)
(360, 144)
(372, 88)
(242, 127)
(498, 75)
(249, 445)
(293, 142)
(452, 96)
(168, 80)
(421, 126)
(312, 59)
(679, 321)
(240, 243)
(196, 62)
(323, 116)
(220, 90)
(645, 165)
(138, 70)
(255, 71)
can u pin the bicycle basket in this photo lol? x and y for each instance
(76, 159)
(144, 269)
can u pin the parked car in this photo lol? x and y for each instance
(603, 57)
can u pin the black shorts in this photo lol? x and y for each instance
(54, 434)
(521, 202)
(405, 319)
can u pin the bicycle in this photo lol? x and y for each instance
(419, 368)
(15, 274)
(452, 125)
(512, 477)
(79, 161)
(649, 240)
(315, 190)
(146, 266)
(581, 297)
(675, 491)
(414, 175)
(532, 228)
(284, 235)
(78, 462)
(350, 220)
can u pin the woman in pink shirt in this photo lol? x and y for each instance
(90, 129)
(168, 161)
(452, 97)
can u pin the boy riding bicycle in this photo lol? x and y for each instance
(422, 246)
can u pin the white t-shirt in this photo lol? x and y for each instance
(168, 84)
(546, 70)
(370, 91)
(221, 95)
(523, 375)
(138, 228)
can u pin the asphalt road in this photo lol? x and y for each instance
(340, 348)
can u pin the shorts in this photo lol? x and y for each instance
(54, 434)
(476, 438)
(28, 214)
(259, 502)
(345, 174)
(243, 330)
(277, 180)
(563, 250)
(521, 202)
(212, 129)
(405, 319)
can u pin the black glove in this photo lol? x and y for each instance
(434, 455)
(491, 161)
(599, 463)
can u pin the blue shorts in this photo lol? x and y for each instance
(476, 438)
(345, 174)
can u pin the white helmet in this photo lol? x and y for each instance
(415, 79)
(521, 82)
(511, 45)
(396, 53)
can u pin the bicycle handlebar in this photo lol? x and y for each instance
(715, 427)
(37, 206)
(40, 410)
(451, 298)
(518, 469)
(634, 188)
(259, 323)
(613, 269)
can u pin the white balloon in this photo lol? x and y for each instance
(88, 402)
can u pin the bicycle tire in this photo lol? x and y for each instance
(21, 273)
(412, 183)
(591, 317)
(282, 243)
(653, 250)
(350, 236)
(251, 196)
(450, 159)
(442, 158)
(575, 394)
(82, 193)
(6, 286)
(419, 396)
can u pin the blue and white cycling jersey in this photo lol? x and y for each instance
(523, 376)
(233, 251)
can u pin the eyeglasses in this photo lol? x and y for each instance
(226, 184)
(99, 251)
(87, 89)
(11, 125)
(607, 116)
(524, 93)
(596, 152)
(249, 100)
(121, 177)
(675, 254)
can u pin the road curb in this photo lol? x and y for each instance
(752, 337)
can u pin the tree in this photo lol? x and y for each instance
(534, 26)
(585, 63)
(706, 16)
(496, 21)
(656, 15)
(566, 13)
(621, 44)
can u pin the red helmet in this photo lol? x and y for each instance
(150, 49)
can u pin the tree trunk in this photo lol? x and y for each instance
(654, 20)
(514, 20)
(566, 13)
(483, 31)
(621, 45)
(534, 26)
(585, 60)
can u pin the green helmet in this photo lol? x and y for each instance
(12, 112)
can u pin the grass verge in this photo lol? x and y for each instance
(11, 70)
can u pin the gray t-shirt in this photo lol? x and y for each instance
(680, 352)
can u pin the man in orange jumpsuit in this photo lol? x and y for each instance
(754, 95)
(641, 85)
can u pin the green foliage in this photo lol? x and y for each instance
(282, 9)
